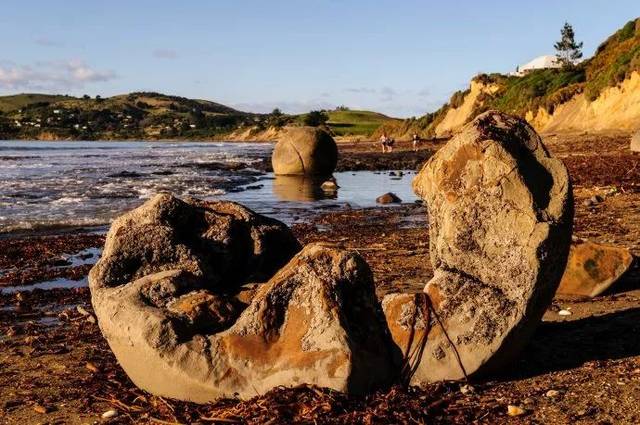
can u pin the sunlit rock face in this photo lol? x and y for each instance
(173, 297)
(500, 219)
(593, 268)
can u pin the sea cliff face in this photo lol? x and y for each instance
(455, 118)
(616, 109)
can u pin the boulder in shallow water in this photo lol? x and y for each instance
(500, 218)
(388, 198)
(593, 268)
(305, 151)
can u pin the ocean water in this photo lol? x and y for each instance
(67, 184)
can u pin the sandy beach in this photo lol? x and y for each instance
(55, 367)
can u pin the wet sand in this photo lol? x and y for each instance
(53, 358)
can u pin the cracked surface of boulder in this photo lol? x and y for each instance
(305, 151)
(182, 325)
(221, 242)
(500, 220)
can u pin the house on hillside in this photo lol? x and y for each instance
(541, 62)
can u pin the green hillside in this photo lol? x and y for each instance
(140, 115)
(356, 123)
(346, 122)
(18, 101)
(148, 115)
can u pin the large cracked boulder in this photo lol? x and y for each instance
(500, 219)
(221, 242)
(168, 297)
(305, 151)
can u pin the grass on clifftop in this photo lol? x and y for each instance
(615, 60)
(346, 122)
(356, 123)
(541, 88)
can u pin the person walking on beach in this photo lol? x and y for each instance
(383, 142)
(416, 141)
(390, 142)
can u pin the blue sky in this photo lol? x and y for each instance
(402, 58)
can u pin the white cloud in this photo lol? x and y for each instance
(165, 54)
(51, 75)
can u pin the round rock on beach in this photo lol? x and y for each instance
(500, 222)
(305, 151)
(170, 296)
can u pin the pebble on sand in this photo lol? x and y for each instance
(110, 414)
(552, 393)
(515, 410)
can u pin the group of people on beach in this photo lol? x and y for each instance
(388, 142)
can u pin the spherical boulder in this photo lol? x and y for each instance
(500, 221)
(305, 151)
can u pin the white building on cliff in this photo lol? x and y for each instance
(541, 62)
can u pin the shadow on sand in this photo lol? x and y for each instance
(565, 345)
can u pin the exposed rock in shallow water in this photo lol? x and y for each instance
(168, 300)
(500, 217)
(592, 268)
(388, 198)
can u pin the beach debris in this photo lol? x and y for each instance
(39, 408)
(500, 218)
(593, 268)
(109, 414)
(515, 410)
(92, 367)
(467, 389)
(305, 150)
(185, 329)
(552, 393)
(83, 311)
(388, 198)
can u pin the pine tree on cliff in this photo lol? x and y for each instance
(568, 49)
